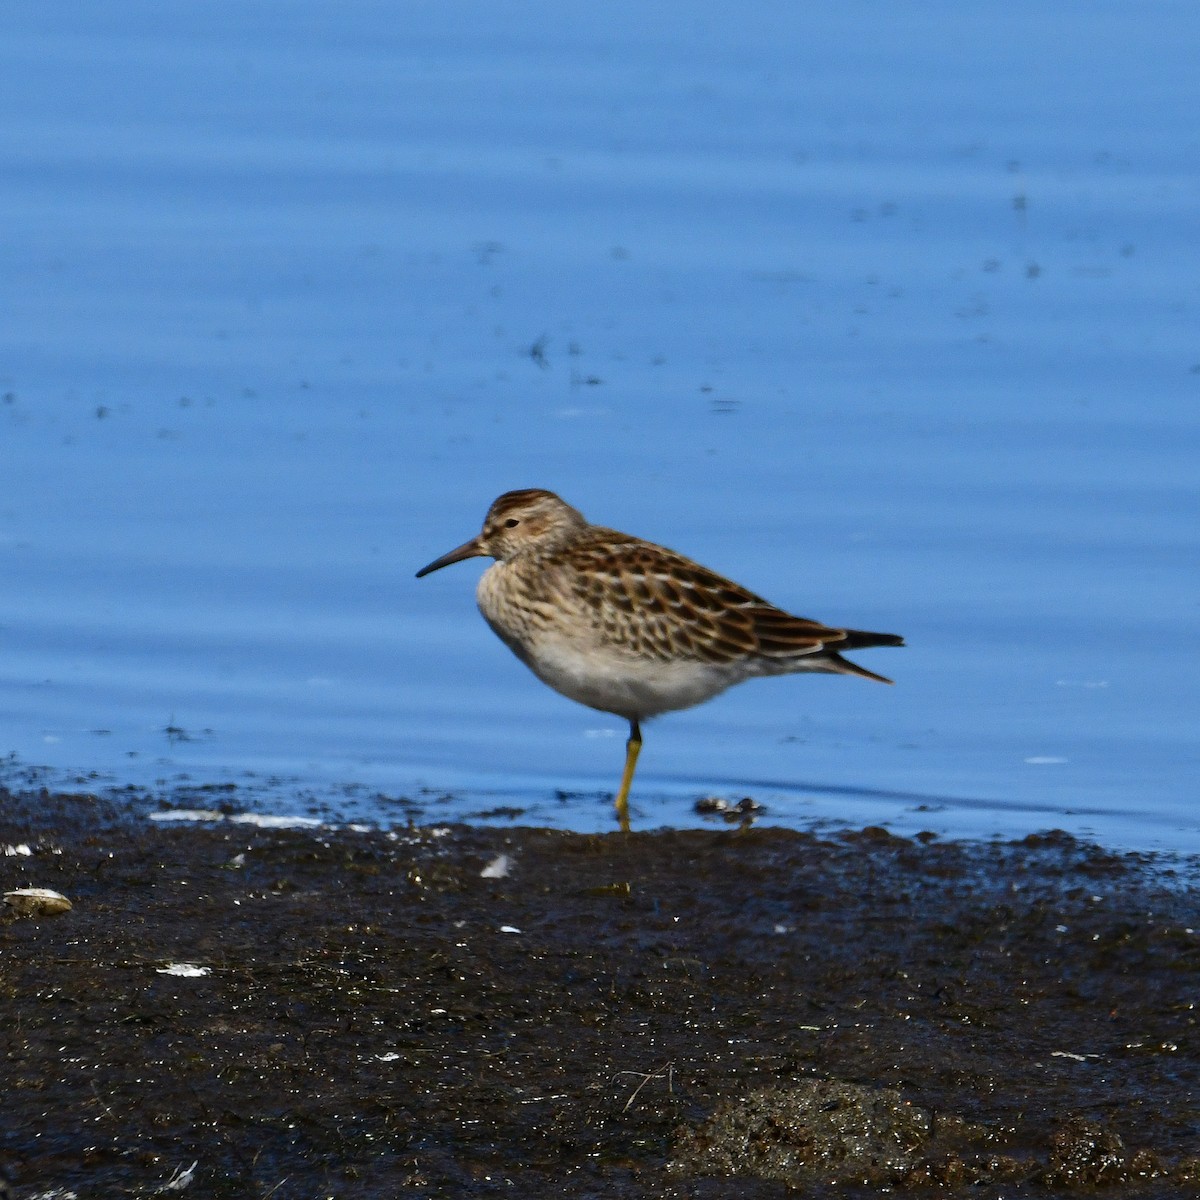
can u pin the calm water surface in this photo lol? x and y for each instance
(891, 316)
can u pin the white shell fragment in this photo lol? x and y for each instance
(37, 902)
(185, 970)
(498, 868)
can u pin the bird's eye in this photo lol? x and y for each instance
(511, 523)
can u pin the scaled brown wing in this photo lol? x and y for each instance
(657, 602)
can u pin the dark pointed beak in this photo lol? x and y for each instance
(471, 549)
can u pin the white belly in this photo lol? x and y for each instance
(631, 688)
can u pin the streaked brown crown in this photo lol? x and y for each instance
(531, 519)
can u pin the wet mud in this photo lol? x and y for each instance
(231, 1011)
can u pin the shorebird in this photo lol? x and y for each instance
(629, 627)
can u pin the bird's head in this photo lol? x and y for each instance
(531, 520)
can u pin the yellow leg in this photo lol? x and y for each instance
(632, 748)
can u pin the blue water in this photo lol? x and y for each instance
(890, 315)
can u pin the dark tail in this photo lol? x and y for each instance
(860, 639)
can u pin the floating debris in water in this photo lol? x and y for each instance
(728, 810)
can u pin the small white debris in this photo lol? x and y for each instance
(181, 1179)
(185, 970)
(1073, 1057)
(187, 814)
(509, 929)
(497, 869)
(1045, 760)
(390, 1056)
(238, 860)
(264, 821)
(1060, 929)
(23, 849)
(37, 902)
(782, 928)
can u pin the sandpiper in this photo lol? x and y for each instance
(629, 627)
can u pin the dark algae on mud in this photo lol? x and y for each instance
(475, 1012)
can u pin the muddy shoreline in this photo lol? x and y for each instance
(459, 1011)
